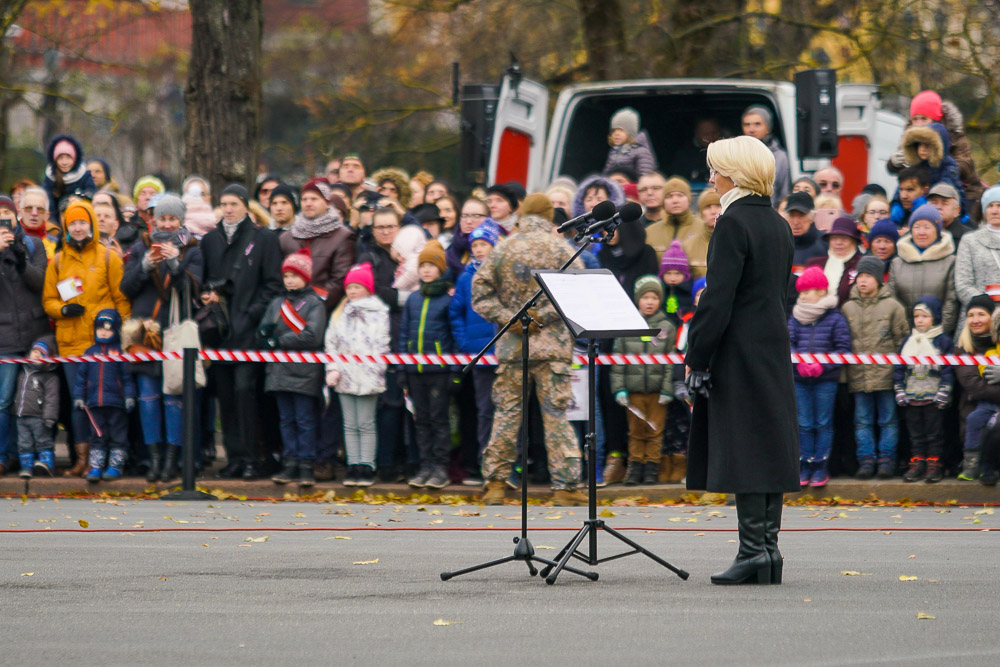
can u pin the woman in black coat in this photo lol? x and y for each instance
(744, 434)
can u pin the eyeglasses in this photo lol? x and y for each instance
(35, 209)
(472, 216)
(833, 184)
(266, 191)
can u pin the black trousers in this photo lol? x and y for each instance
(236, 390)
(431, 397)
(926, 426)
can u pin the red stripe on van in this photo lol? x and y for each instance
(852, 161)
(513, 156)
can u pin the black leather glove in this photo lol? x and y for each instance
(265, 330)
(20, 251)
(73, 310)
(699, 382)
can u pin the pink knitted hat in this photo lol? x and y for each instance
(362, 275)
(812, 278)
(64, 147)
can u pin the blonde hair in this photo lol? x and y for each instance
(829, 201)
(745, 160)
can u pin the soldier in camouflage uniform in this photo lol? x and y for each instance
(501, 285)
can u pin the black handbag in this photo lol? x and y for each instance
(213, 324)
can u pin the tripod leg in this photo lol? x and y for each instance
(559, 556)
(445, 576)
(649, 554)
(568, 553)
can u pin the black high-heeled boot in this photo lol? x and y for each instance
(775, 502)
(752, 564)
(155, 462)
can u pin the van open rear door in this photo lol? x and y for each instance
(518, 147)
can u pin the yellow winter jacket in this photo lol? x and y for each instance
(100, 271)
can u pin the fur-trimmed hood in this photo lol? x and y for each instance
(136, 332)
(615, 192)
(995, 325)
(953, 119)
(925, 134)
(400, 179)
(907, 251)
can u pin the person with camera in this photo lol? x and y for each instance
(243, 275)
(22, 319)
(162, 273)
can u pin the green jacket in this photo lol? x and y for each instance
(646, 378)
(878, 326)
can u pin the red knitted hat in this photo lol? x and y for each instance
(926, 103)
(299, 262)
(812, 278)
(319, 185)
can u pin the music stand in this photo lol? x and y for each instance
(575, 295)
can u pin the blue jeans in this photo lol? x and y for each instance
(815, 412)
(869, 406)
(299, 421)
(8, 425)
(976, 423)
(157, 411)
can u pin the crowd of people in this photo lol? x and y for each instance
(362, 261)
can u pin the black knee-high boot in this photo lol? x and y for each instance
(775, 501)
(752, 564)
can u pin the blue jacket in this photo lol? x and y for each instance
(105, 384)
(830, 333)
(425, 327)
(470, 331)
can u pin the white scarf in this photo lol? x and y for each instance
(731, 196)
(922, 343)
(807, 313)
(834, 271)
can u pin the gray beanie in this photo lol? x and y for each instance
(626, 119)
(873, 266)
(169, 204)
(763, 112)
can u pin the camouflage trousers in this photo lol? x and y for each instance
(552, 386)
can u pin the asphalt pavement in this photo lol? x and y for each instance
(119, 582)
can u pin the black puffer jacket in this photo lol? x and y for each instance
(22, 318)
(631, 257)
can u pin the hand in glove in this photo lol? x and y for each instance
(265, 330)
(271, 343)
(664, 399)
(73, 310)
(807, 370)
(901, 400)
(942, 399)
(621, 398)
(699, 382)
(332, 378)
(681, 392)
(992, 374)
(129, 404)
(78, 404)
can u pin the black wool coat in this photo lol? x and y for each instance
(744, 437)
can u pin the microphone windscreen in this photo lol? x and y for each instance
(605, 210)
(630, 211)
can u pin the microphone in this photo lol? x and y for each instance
(602, 211)
(627, 213)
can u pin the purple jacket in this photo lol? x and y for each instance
(829, 333)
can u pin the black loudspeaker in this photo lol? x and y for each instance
(479, 108)
(816, 112)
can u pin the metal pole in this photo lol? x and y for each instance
(188, 491)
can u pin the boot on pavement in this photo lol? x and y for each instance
(569, 497)
(306, 477)
(496, 492)
(289, 472)
(680, 468)
(970, 467)
(155, 462)
(170, 470)
(752, 564)
(635, 470)
(935, 472)
(650, 472)
(614, 469)
(82, 460)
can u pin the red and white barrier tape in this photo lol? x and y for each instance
(490, 360)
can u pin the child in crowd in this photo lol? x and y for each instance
(295, 320)
(816, 326)
(925, 390)
(926, 146)
(676, 275)
(405, 249)
(426, 329)
(878, 326)
(66, 173)
(645, 390)
(914, 182)
(471, 332)
(36, 406)
(360, 325)
(673, 465)
(106, 391)
(630, 148)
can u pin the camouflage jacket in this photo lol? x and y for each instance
(504, 282)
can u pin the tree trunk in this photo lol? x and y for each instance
(223, 92)
(603, 37)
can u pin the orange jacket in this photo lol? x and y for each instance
(100, 269)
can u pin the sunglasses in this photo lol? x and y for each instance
(833, 184)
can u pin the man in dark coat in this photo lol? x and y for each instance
(243, 268)
(744, 434)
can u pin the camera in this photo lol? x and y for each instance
(7, 224)
(371, 201)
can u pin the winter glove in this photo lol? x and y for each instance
(73, 310)
(901, 397)
(266, 330)
(78, 404)
(681, 392)
(621, 398)
(942, 399)
(699, 382)
(49, 423)
(129, 404)
(807, 370)
(332, 378)
(664, 399)
(20, 251)
(271, 343)
(992, 374)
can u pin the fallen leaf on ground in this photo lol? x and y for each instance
(365, 562)
(163, 578)
(27, 574)
(542, 546)
(337, 537)
(441, 621)
(924, 616)
(436, 521)
(907, 577)
(912, 556)
(675, 519)
(850, 573)
(985, 511)
(554, 516)
(257, 539)
(606, 512)
(83, 523)
(299, 515)
(807, 600)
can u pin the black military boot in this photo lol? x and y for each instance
(155, 461)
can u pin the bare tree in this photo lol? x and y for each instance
(223, 92)
(9, 11)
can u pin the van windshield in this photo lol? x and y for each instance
(669, 117)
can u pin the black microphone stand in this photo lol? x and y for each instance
(523, 550)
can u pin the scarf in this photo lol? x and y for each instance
(436, 288)
(834, 271)
(230, 230)
(731, 196)
(309, 228)
(922, 343)
(807, 313)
